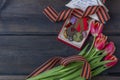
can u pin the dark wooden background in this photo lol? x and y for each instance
(28, 38)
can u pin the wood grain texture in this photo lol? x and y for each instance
(28, 38)
(25, 16)
(22, 77)
(106, 78)
(22, 54)
(12, 77)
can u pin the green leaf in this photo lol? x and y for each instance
(67, 73)
(93, 66)
(57, 77)
(90, 59)
(88, 55)
(50, 78)
(98, 71)
(95, 61)
(99, 52)
(71, 66)
(83, 52)
(48, 73)
(96, 57)
(91, 48)
(56, 71)
(73, 75)
(79, 78)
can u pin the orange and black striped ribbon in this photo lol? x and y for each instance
(86, 71)
(100, 11)
(54, 16)
(46, 66)
(63, 61)
(102, 14)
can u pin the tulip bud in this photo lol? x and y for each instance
(100, 42)
(110, 48)
(113, 60)
(96, 28)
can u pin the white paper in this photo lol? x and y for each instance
(100, 3)
(83, 4)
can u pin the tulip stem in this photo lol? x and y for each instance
(83, 52)
(98, 71)
(91, 46)
(94, 53)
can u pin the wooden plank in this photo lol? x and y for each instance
(12, 77)
(22, 54)
(106, 78)
(25, 8)
(41, 25)
(26, 17)
(113, 6)
(22, 77)
(15, 25)
(26, 35)
(113, 25)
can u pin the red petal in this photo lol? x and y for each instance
(85, 24)
(113, 59)
(78, 28)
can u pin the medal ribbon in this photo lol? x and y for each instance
(54, 16)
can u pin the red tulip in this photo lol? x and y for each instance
(96, 28)
(113, 60)
(100, 42)
(110, 48)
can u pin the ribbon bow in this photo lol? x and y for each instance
(86, 72)
(54, 16)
